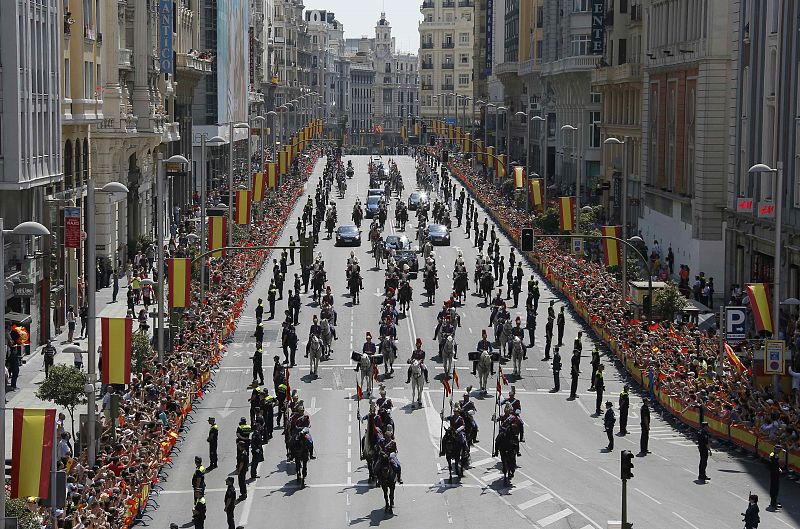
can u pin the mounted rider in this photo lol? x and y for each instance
(468, 411)
(508, 422)
(483, 345)
(418, 354)
(516, 406)
(314, 330)
(384, 408)
(327, 313)
(447, 330)
(519, 332)
(387, 450)
(300, 424)
(457, 424)
(327, 298)
(388, 328)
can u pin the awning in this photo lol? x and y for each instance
(19, 318)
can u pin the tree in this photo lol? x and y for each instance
(65, 387)
(548, 221)
(140, 350)
(16, 508)
(669, 301)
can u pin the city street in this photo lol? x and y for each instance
(565, 480)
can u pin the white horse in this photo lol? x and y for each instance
(484, 368)
(365, 370)
(448, 351)
(417, 382)
(505, 337)
(388, 350)
(327, 337)
(314, 353)
(516, 352)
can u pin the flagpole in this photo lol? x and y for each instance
(496, 406)
(53, 470)
(358, 405)
(444, 396)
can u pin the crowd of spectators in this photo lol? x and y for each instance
(675, 357)
(134, 448)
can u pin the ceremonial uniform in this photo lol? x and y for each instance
(556, 371)
(483, 345)
(230, 504)
(624, 404)
(418, 354)
(608, 424)
(703, 448)
(575, 370)
(213, 439)
(774, 479)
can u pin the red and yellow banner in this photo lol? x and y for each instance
(283, 161)
(272, 175)
(566, 217)
(490, 161)
(519, 177)
(465, 142)
(611, 248)
(536, 192)
(217, 234)
(116, 342)
(403, 133)
(416, 129)
(32, 452)
(759, 304)
(180, 280)
(479, 150)
(259, 189)
(242, 216)
(501, 166)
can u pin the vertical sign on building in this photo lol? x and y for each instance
(72, 227)
(598, 27)
(165, 36)
(489, 35)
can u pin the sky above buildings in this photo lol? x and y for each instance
(360, 16)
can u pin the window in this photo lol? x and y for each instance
(67, 80)
(595, 97)
(594, 129)
(672, 108)
(580, 45)
(464, 58)
(463, 38)
(463, 79)
(580, 6)
(540, 17)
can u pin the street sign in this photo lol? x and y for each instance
(774, 351)
(527, 240)
(24, 290)
(72, 227)
(766, 210)
(744, 205)
(735, 324)
(577, 245)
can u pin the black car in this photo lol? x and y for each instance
(397, 242)
(417, 199)
(348, 234)
(438, 234)
(408, 257)
(371, 209)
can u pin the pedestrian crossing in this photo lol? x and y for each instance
(659, 433)
(529, 499)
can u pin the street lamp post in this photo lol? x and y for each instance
(110, 188)
(624, 205)
(542, 158)
(233, 128)
(216, 140)
(527, 159)
(776, 291)
(24, 229)
(577, 175)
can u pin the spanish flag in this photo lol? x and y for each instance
(490, 156)
(116, 342)
(536, 192)
(32, 452)
(519, 177)
(759, 304)
(258, 187)
(501, 166)
(733, 358)
(217, 234)
(403, 132)
(611, 248)
(180, 282)
(272, 175)
(416, 128)
(283, 161)
(242, 207)
(447, 389)
(479, 150)
(566, 217)
(465, 143)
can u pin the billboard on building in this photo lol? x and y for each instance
(489, 35)
(233, 59)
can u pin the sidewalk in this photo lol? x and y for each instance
(31, 373)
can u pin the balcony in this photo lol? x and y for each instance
(428, 4)
(466, 3)
(448, 45)
(506, 68)
(529, 67)
(170, 132)
(447, 87)
(255, 97)
(427, 66)
(449, 3)
(623, 73)
(579, 63)
(191, 65)
(636, 13)
(426, 45)
(448, 65)
(125, 59)
(426, 86)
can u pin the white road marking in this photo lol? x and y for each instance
(547, 520)
(609, 473)
(646, 495)
(349, 453)
(542, 436)
(690, 524)
(349, 467)
(492, 476)
(573, 453)
(484, 462)
(535, 501)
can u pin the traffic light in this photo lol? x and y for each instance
(526, 240)
(445, 156)
(627, 465)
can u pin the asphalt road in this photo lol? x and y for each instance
(566, 479)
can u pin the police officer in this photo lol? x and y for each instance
(267, 411)
(199, 478)
(774, 478)
(260, 310)
(213, 438)
(575, 370)
(534, 290)
(556, 371)
(199, 513)
(595, 365)
(259, 334)
(624, 404)
(551, 310)
(644, 421)
(608, 424)
(530, 324)
(256, 451)
(751, 518)
(243, 431)
(560, 322)
(255, 403)
(705, 450)
(49, 353)
(599, 386)
(548, 338)
(242, 463)
(230, 502)
(258, 370)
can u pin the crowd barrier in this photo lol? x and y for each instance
(732, 433)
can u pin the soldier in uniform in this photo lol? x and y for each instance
(705, 450)
(469, 411)
(258, 370)
(560, 323)
(595, 365)
(548, 338)
(644, 421)
(575, 370)
(199, 478)
(624, 404)
(774, 478)
(230, 502)
(418, 354)
(599, 386)
(530, 324)
(608, 424)
(556, 371)
(516, 407)
(483, 345)
(260, 310)
(213, 438)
